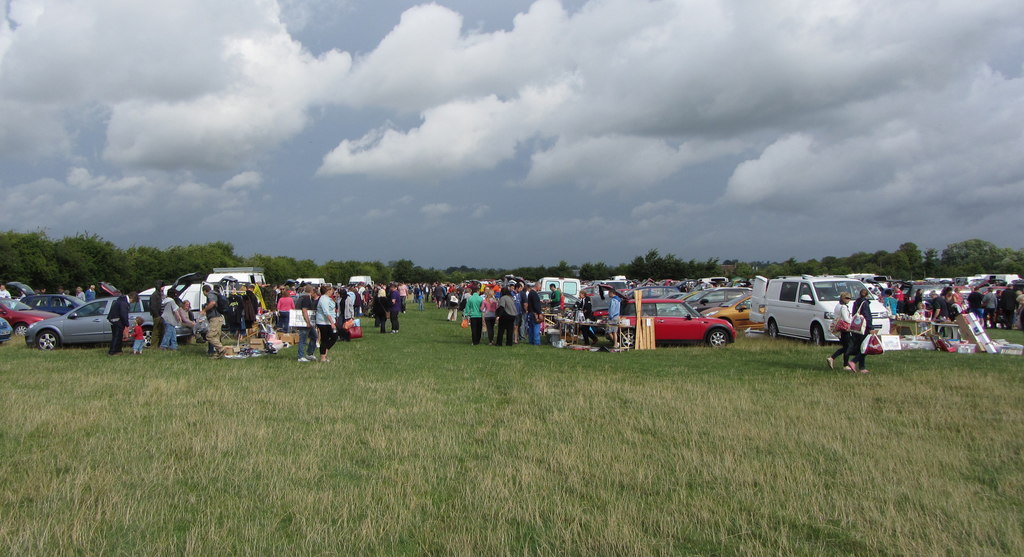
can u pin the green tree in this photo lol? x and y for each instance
(971, 257)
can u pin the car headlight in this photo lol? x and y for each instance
(829, 315)
(710, 313)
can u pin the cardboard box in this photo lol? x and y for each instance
(965, 348)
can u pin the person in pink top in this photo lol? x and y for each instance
(285, 305)
(488, 308)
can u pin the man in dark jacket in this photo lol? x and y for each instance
(156, 304)
(534, 312)
(118, 318)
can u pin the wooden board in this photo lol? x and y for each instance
(644, 325)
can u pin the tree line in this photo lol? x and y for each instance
(43, 262)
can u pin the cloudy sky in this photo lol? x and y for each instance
(515, 132)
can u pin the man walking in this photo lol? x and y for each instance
(306, 305)
(118, 318)
(215, 319)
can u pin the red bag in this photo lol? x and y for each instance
(355, 332)
(842, 325)
(872, 346)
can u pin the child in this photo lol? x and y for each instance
(139, 336)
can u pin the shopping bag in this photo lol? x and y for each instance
(859, 324)
(355, 332)
(872, 346)
(465, 322)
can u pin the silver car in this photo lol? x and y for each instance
(87, 324)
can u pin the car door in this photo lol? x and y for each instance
(671, 323)
(807, 310)
(741, 319)
(788, 313)
(87, 324)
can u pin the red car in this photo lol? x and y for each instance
(20, 316)
(675, 322)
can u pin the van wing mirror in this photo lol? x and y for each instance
(806, 298)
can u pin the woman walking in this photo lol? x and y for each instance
(488, 307)
(842, 314)
(326, 324)
(861, 308)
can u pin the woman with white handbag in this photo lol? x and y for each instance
(841, 326)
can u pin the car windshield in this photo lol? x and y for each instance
(14, 304)
(829, 291)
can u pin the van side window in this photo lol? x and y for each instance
(788, 292)
(806, 289)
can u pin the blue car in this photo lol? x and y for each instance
(55, 303)
(5, 330)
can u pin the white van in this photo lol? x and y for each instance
(570, 286)
(802, 306)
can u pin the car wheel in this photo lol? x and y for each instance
(817, 335)
(773, 329)
(47, 340)
(717, 338)
(20, 328)
(147, 333)
(627, 338)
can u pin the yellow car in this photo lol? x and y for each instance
(736, 312)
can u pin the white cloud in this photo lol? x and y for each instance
(435, 211)
(202, 85)
(454, 138)
(244, 181)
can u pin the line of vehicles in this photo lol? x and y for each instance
(794, 306)
(49, 321)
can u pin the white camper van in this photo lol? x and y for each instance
(194, 292)
(570, 286)
(802, 306)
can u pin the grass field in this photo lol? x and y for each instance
(419, 443)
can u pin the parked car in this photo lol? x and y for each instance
(655, 291)
(56, 303)
(87, 324)
(20, 316)
(5, 330)
(675, 322)
(736, 312)
(19, 290)
(715, 297)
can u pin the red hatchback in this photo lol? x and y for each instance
(20, 316)
(675, 322)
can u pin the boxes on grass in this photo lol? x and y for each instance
(911, 343)
(1011, 349)
(965, 348)
(972, 331)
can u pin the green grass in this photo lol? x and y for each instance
(419, 443)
